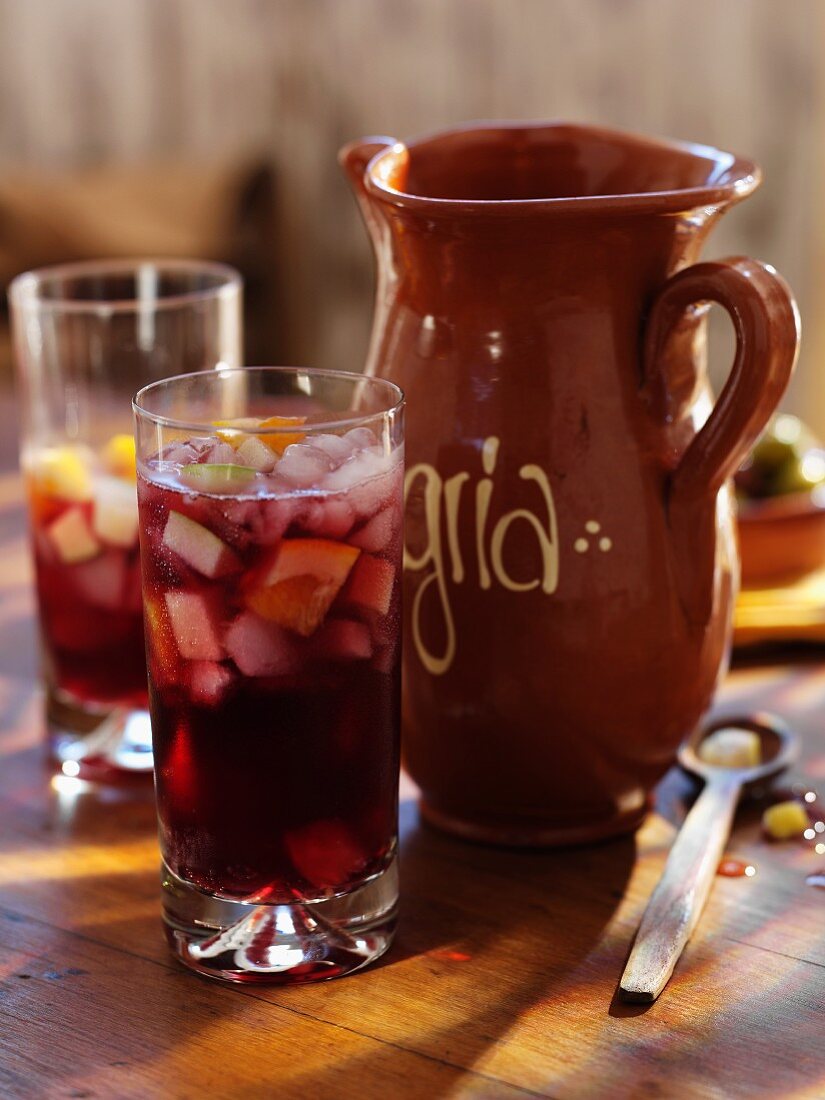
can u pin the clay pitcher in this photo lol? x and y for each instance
(570, 560)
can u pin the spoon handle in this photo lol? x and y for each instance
(680, 895)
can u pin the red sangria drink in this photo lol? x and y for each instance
(270, 507)
(84, 526)
(86, 337)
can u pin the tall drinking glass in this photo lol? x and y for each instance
(270, 524)
(86, 337)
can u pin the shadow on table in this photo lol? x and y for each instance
(486, 936)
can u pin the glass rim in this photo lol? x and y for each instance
(316, 372)
(23, 291)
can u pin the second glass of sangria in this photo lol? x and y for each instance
(86, 336)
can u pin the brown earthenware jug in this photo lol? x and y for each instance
(570, 559)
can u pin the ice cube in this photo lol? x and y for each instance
(261, 648)
(208, 682)
(380, 485)
(336, 446)
(361, 468)
(304, 465)
(193, 626)
(114, 511)
(360, 438)
(371, 583)
(221, 454)
(343, 640)
(180, 454)
(331, 517)
(101, 582)
(198, 546)
(260, 521)
(72, 537)
(378, 532)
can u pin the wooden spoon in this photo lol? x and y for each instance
(680, 895)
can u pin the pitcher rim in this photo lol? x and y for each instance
(744, 176)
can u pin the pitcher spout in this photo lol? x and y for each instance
(353, 159)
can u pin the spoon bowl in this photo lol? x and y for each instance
(778, 742)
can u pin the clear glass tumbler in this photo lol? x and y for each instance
(270, 525)
(86, 337)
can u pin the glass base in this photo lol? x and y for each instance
(237, 941)
(95, 742)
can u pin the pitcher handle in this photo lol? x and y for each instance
(766, 322)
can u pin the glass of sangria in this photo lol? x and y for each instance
(86, 337)
(270, 524)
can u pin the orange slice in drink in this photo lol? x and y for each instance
(301, 582)
(64, 472)
(279, 441)
(235, 432)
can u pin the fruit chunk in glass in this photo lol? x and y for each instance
(84, 526)
(271, 588)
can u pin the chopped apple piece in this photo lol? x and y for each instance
(101, 581)
(72, 538)
(785, 820)
(198, 546)
(115, 514)
(217, 477)
(64, 472)
(118, 456)
(326, 853)
(193, 626)
(378, 532)
(298, 588)
(370, 585)
(732, 748)
(256, 454)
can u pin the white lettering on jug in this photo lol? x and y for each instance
(442, 499)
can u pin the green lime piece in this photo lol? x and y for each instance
(217, 477)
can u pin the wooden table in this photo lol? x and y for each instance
(501, 983)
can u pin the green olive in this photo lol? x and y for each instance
(788, 458)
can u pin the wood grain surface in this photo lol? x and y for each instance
(502, 982)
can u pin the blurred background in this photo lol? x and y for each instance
(210, 128)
